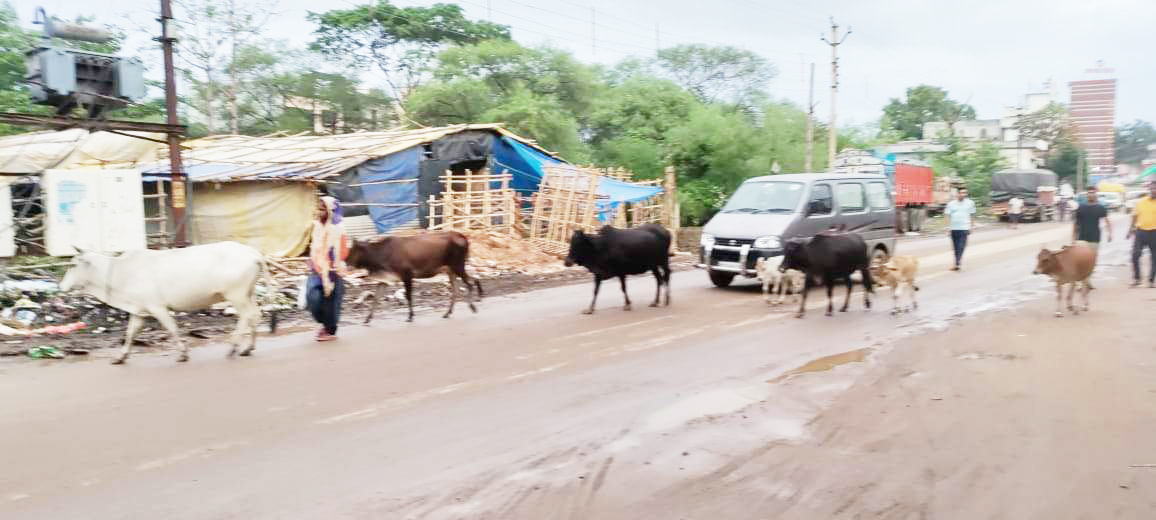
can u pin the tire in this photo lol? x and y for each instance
(721, 279)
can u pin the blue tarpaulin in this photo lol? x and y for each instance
(391, 180)
(527, 165)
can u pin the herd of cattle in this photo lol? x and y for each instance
(159, 282)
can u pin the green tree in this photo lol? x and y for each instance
(1050, 124)
(399, 41)
(924, 104)
(1064, 160)
(1133, 140)
(973, 162)
(717, 73)
(506, 67)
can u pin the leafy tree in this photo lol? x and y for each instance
(1064, 160)
(399, 41)
(923, 104)
(973, 162)
(1050, 124)
(1132, 141)
(507, 67)
(717, 73)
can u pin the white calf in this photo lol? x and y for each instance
(778, 282)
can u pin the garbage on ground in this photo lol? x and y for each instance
(45, 352)
(51, 329)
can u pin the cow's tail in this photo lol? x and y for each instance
(270, 292)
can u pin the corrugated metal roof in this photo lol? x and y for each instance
(235, 158)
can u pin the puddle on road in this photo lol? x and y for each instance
(824, 364)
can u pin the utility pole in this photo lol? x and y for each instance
(1080, 174)
(807, 162)
(177, 176)
(832, 131)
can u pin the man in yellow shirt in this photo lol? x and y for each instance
(1144, 229)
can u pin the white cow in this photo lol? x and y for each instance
(153, 283)
(778, 282)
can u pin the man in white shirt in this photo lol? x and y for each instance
(959, 220)
(1015, 211)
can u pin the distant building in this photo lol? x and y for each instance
(1093, 112)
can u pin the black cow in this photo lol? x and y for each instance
(621, 252)
(829, 256)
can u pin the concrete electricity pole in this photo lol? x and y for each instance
(832, 131)
(177, 175)
(807, 162)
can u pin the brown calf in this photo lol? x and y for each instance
(419, 256)
(898, 272)
(1072, 265)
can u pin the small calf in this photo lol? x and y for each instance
(897, 273)
(1072, 266)
(778, 282)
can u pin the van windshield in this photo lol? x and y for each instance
(765, 197)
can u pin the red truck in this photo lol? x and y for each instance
(912, 185)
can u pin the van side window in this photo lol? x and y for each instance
(820, 203)
(850, 195)
(877, 196)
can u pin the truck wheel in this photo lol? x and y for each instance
(721, 279)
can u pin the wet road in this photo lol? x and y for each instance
(479, 416)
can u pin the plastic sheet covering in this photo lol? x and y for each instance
(527, 165)
(391, 180)
(74, 149)
(1019, 182)
(271, 216)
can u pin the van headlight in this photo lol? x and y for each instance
(771, 242)
(706, 240)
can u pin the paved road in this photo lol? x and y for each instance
(473, 417)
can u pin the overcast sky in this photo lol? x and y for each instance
(985, 52)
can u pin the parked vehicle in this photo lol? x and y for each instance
(942, 191)
(913, 194)
(764, 212)
(1036, 187)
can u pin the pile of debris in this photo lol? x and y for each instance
(493, 253)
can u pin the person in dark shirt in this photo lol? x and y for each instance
(1087, 221)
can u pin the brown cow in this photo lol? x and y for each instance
(898, 272)
(418, 256)
(1071, 265)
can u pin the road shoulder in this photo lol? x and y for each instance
(1006, 415)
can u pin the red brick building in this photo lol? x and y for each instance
(1093, 112)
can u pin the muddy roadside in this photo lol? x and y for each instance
(105, 325)
(1014, 414)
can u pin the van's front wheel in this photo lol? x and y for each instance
(721, 279)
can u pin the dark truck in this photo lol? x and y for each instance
(1036, 187)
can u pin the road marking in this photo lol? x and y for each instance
(358, 414)
(202, 452)
(542, 370)
(608, 329)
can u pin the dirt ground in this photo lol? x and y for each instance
(1011, 415)
(106, 325)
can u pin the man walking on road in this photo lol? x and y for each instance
(1087, 221)
(959, 220)
(1015, 211)
(1143, 228)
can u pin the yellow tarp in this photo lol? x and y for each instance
(273, 217)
